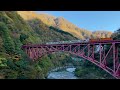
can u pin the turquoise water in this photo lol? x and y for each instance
(67, 73)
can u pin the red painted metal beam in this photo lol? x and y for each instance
(84, 50)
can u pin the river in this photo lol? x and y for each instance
(66, 73)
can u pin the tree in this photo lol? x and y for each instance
(8, 42)
(116, 35)
(23, 37)
(118, 30)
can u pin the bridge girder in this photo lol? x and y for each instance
(107, 60)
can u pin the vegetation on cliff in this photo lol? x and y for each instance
(15, 31)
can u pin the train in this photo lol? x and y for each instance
(100, 39)
(81, 41)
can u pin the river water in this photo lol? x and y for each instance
(67, 73)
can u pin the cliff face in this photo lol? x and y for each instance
(67, 26)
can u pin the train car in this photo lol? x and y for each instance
(104, 39)
(100, 39)
(93, 40)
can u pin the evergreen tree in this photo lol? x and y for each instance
(23, 37)
(7, 40)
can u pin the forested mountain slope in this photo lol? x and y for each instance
(14, 32)
(18, 29)
(63, 24)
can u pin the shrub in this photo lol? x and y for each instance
(3, 62)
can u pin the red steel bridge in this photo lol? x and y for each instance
(104, 54)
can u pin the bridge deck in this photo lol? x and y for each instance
(83, 43)
(107, 60)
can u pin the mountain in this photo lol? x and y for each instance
(16, 31)
(46, 18)
(102, 33)
(63, 24)
(18, 28)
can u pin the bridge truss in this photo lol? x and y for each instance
(104, 54)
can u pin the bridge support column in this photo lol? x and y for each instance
(88, 50)
(100, 53)
(114, 63)
(104, 55)
(117, 59)
(93, 47)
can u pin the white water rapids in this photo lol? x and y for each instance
(67, 73)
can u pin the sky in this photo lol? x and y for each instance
(90, 20)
